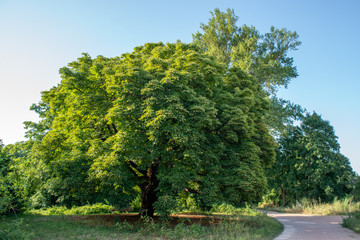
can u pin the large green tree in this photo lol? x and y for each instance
(165, 118)
(309, 163)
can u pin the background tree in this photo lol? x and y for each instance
(263, 56)
(309, 163)
(165, 119)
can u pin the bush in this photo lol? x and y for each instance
(270, 199)
(230, 209)
(165, 205)
(187, 203)
(98, 208)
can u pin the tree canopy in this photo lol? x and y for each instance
(163, 119)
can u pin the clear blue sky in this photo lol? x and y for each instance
(39, 37)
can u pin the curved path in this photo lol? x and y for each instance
(312, 227)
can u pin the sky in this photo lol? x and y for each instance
(37, 38)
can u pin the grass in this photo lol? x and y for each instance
(55, 227)
(352, 222)
(13, 228)
(306, 206)
(38, 226)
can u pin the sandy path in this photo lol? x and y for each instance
(312, 227)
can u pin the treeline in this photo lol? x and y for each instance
(176, 122)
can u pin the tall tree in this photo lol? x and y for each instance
(263, 56)
(165, 118)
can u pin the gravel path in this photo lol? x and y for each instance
(312, 227)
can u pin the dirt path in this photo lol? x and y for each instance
(312, 227)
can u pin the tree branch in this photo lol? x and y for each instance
(134, 167)
(114, 128)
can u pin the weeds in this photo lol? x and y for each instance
(352, 221)
(306, 206)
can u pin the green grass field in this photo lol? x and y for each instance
(41, 227)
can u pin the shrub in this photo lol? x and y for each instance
(98, 208)
(230, 209)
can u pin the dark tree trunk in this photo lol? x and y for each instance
(148, 191)
(283, 194)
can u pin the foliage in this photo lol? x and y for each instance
(309, 163)
(263, 56)
(270, 199)
(165, 119)
(186, 202)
